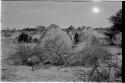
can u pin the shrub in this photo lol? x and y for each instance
(23, 52)
(89, 56)
(100, 76)
(54, 51)
(106, 73)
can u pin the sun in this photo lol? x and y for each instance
(96, 10)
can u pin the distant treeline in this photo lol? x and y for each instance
(71, 27)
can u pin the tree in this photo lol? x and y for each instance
(116, 20)
(116, 28)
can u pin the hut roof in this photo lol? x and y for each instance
(55, 31)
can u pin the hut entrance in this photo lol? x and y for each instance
(24, 37)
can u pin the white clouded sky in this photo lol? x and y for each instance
(21, 14)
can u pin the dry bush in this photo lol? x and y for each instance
(89, 56)
(99, 76)
(23, 52)
(94, 53)
(54, 51)
(109, 73)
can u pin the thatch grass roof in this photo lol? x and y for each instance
(54, 31)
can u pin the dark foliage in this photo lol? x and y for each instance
(116, 28)
(116, 20)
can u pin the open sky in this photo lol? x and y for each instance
(22, 14)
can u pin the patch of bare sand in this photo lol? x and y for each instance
(25, 73)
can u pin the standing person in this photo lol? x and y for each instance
(76, 38)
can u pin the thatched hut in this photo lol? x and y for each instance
(24, 37)
(54, 31)
(87, 36)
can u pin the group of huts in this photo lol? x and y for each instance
(53, 31)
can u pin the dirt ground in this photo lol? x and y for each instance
(25, 73)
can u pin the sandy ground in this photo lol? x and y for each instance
(25, 73)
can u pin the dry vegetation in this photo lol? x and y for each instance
(29, 58)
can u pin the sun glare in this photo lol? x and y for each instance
(96, 10)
